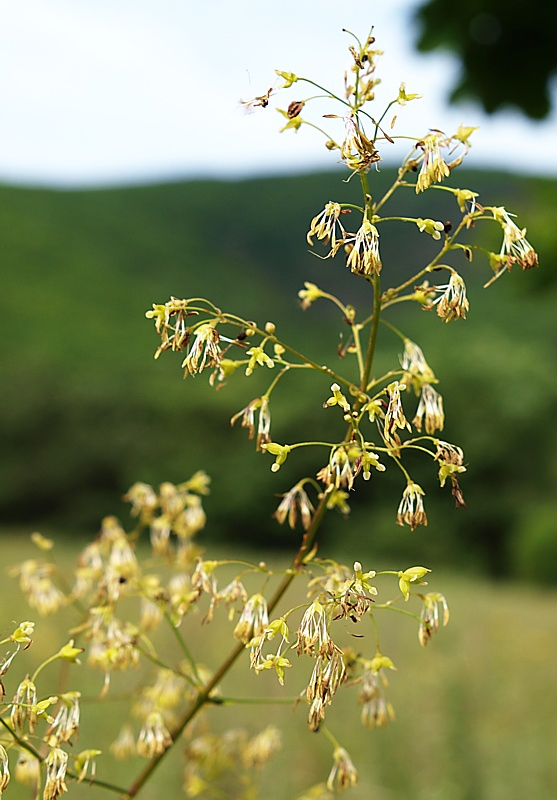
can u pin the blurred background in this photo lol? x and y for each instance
(130, 173)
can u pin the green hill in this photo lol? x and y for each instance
(86, 411)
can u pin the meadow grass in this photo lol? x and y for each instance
(475, 709)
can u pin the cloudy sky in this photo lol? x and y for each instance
(99, 92)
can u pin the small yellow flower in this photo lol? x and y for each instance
(4, 770)
(124, 745)
(324, 227)
(56, 766)
(337, 399)
(365, 462)
(451, 460)
(411, 575)
(253, 619)
(143, 499)
(515, 245)
(23, 706)
(357, 151)
(262, 747)
(411, 509)
(343, 774)
(66, 723)
(294, 501)
(288, 77)
(154, 737)
(258, 357)
(404, 97)
(281, 452)
(294, 122)
(310, 294)
(23, 633)
(430, 407)
(431, 226)
(465, 196)
(377, 711)
(261, 405)
(42, 542)
(364, 258)
(463, 134)
(429, 617)
(452, 302)
(205, 350)
(394, 417)
(313, 634)
(70, 653)
(434, 169)
(417, 370)
(328, 674)
(84, 760)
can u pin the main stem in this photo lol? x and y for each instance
(204, 696)
(376, 283)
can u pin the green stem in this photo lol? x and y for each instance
(389, 607)
(183, 647)
(372, 333)
(231, 701)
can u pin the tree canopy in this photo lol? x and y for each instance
(507, 50)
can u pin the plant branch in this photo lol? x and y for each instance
(204, 695)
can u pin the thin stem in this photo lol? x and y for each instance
(277, 378)
(327, 92)
(389, 192)
(330, 737)
(232, 319)
(377, 381)
(183, 647)
(395, 330)
(45, 663)
(317, 128)
(389, 607)
(231, 701)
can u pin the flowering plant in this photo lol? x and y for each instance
(124, 598)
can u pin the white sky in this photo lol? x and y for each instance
(116, 91)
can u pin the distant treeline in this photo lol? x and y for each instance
(86, 410)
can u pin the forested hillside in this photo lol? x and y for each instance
(86, 410)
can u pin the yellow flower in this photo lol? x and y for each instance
(434, 168)
(430, 406)
(324, 227)
(364, 258)
(404, 97)
(56, 766)
(429, 617)
(343, 774)
(431, 226)
(411, 509)
(411, 575)
(452, 303)
(253, 619)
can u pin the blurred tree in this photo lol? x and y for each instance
(507, 50)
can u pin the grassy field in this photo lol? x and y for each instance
(475, 709)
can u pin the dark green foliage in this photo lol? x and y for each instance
(86, 410)
(533, 547)
(507, 50)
